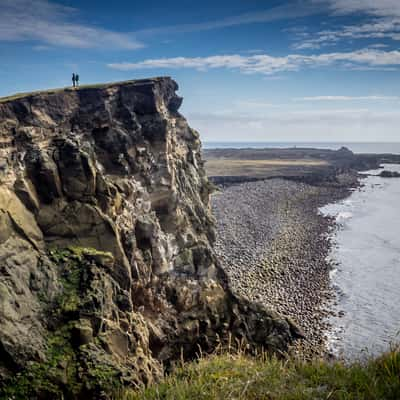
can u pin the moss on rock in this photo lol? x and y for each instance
(67, 370)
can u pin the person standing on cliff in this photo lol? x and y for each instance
(73, 79)
(77, 79)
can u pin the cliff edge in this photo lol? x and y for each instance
(107, 271)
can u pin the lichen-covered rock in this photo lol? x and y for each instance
(107, 271)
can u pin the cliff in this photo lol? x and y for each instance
(107, 271)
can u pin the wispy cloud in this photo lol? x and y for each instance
(296, 9)
(52, 24)
(378, 46)
(306, 116)
(381, 21)
(383, 28)
(385, 23)
(266, 64)
(347, 98)
(316, 125)
(381, 8)
(252, 104)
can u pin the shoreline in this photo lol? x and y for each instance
(273, 244)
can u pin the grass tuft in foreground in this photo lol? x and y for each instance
(240, 377)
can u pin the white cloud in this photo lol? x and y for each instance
(384, 12)
(347, 98)
(266, 64)
(382, 28)
(382, 8)
(50, 23)
(296, 9)
(378, 46)
(317, 125)
(366, 68)
(381, 21)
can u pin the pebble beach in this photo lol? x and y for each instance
(274, 244)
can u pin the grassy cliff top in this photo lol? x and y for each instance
(243, 378)
(81, 87)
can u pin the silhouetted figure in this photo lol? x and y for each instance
(77, 79)
(73, 80)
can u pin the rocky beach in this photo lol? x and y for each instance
(274, 244)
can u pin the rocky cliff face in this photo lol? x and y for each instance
(107, 272)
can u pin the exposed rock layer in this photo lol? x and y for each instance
(113, 173)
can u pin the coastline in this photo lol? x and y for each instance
(366, 253)
(274, 244)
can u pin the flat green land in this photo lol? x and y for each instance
(271, 162)
(262, 168)
(238, 377)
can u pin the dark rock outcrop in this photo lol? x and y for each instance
(107, 271)
(389, 174)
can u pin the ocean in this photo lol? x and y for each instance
(356, 147)
(367, 276)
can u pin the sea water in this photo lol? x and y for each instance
(356, 147)
(366, 252)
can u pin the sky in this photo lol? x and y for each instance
(249, 70)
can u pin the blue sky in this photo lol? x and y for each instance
(301, 70)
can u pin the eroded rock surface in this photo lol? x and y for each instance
(107, 271)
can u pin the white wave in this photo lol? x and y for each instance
(332, 273)
(343, 215)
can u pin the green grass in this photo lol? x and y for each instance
(65, 89)
(240, 377)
